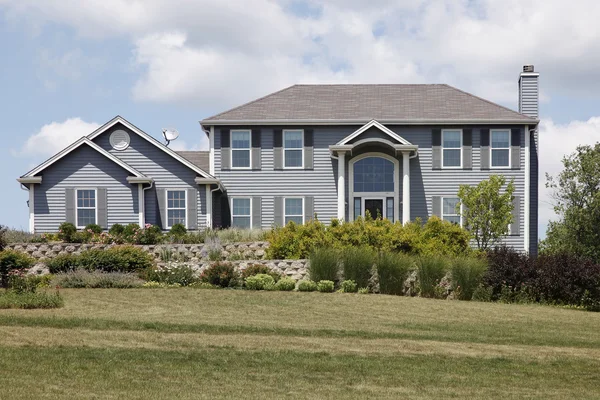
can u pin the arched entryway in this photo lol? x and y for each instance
(374, 186)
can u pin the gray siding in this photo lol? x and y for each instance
(167, 172)
(322, 181)
(529, 96)
(84, 168)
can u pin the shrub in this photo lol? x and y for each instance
(363, 290)
(393, 269)
(66, 232)
(62, 263)
(255, 269)
(296, 241)
(233, 235)
(11, 260)
(3, 237)
(510, 268)
(178, 230)
(30, 300)
(323, 264)
(357, 263)
(202, 285)
(117, 230)
(325, 286)
(285, 284)
(171, 273)
(151, 234)
(94, 228)
(307, 286)
(348, 286)
(221, 274)
(260, 282)
(130, 231)
(466, 275)
(483, 293)
(115, 259)
(96, 279)
(430, 270)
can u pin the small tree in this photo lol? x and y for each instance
(486, 211)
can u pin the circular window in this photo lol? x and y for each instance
(119, 140)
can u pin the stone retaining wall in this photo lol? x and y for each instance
(296, 269)
(183, 252)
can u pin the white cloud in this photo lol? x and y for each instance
(55, 136)
(557, 141)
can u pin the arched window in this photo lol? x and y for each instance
(374, 174)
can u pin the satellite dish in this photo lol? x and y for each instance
(170, 134)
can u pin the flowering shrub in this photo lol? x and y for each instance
(66, 232)
(171, 273)
(221, 274)
(10, 261)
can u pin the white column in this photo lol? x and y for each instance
(211, 151)
(141, 204)
(405, 187)
(209, 222)
(341, 214)
(31, 208)
(527, 188)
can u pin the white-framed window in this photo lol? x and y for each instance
(87, 210)
(449, 211)
(500, 148)
(452, 148)
(176, 207)
(293, 148)
(293, 210)
(241, 141)
(241, 214)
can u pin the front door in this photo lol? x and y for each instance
(374, 207)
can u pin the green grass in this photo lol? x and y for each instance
(186, 343)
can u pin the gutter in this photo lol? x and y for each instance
(364, 121)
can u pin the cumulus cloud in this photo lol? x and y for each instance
(55, 136)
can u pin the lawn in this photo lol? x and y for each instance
(189, 344)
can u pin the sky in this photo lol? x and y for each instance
(71, 65)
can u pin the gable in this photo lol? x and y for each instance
(375, 132)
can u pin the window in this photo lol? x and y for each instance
(389, 208)
(452, 148)
(240, 213)
(357, 207)
(240, 149)
(293, 148)
(176, 207)
(374, 174)
(86, 207)
(500, 148)
(449, 212)
(294, 210)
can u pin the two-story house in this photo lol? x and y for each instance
(334, 151)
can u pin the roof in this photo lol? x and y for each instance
(199, 158)
(84, 141)
(400, 103)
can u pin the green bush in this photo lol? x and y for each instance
(296, 241)
(178, 230)
(96, 279)
(393, 269)
(95, 228)
(357, 263)
(202, 285)
(117, 230)
(326, 286)
(115, 259)
(255, 269)
(30, 300)
(3, 237)
(323, 264)
(348, 286)
(170, 274)
(62, 263)
(363, 290)
(66, 232)
(430, 270)
(307, 286)
(11, 260)
(483, 293)
(285, 285)
(260, 282)
(221, 274)
(466, 275)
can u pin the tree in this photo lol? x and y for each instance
(486, 211)
(576, 198)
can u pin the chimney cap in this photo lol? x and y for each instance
(528, 68)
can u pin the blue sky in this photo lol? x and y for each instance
(71, 65)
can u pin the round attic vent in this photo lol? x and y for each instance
(119, 140)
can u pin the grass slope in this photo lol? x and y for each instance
(184, 343)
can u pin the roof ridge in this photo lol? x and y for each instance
(487, 101)
(250, 102)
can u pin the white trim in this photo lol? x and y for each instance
(211, 153)
(31, 208)
(486, 121)
(405, 187)
(30, 179)
(301, 147)
(209, 221)
(341, 188)
(86, 208)
(135, 179)
(453, 148)
(231, 208)
(527, 196)
(141, 220)
(77, 144)
(176, 208)
(374, 195)
(231, 149)
(144, 135)
(377, 125)
(293, 198)
(113, 140)
(501, 148)
(460, 216)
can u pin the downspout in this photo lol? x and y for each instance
(144, 202)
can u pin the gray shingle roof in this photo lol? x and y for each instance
(199, 158)
(427, 103)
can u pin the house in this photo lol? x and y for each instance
(334, 151)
